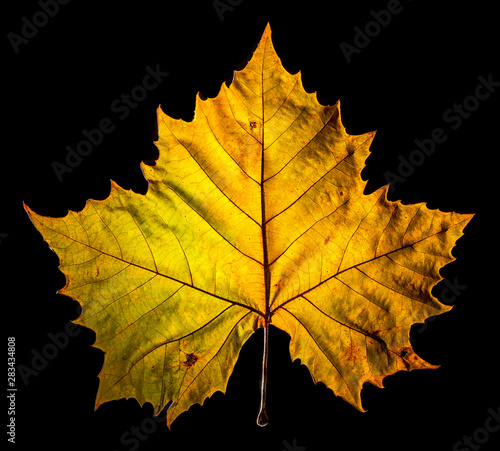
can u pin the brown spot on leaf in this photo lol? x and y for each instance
(375, 335)
(190, 361)
(278, 285)
(406, 353)
(254, 124)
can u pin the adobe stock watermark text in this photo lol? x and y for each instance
(453, 118)
(121, 107)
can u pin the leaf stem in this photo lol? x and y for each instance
(262, 418)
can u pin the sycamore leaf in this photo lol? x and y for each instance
(255, 214)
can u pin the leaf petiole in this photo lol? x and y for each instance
(262, 418)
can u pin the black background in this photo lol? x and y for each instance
(64, 80)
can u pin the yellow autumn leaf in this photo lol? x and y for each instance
(254, 215)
